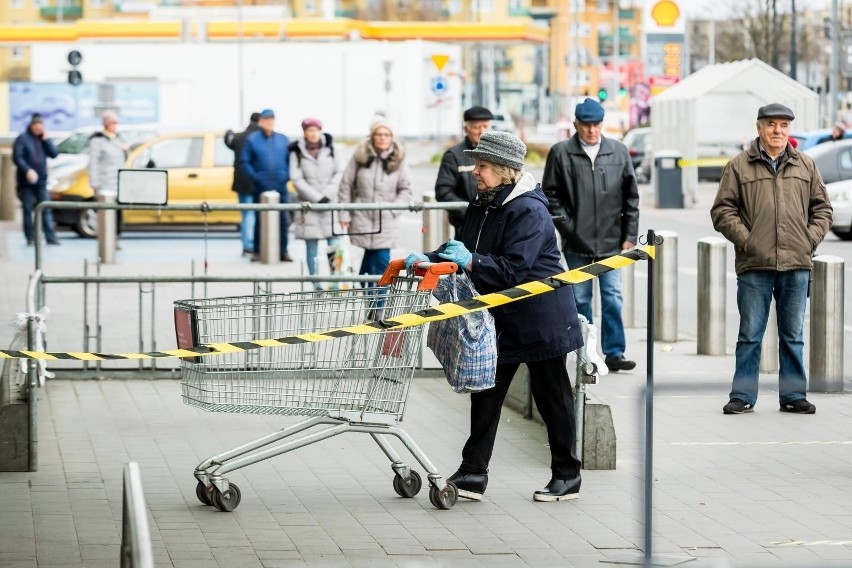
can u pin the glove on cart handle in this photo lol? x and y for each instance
(429, 272)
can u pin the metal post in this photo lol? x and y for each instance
(628, 306)
(712, 285)
(827, 319)
(648, 486)
(431, 225)
(769, 346)
(106, 230)
(834, 59)
(580, 390)
(270, 229)
(7, 187)
(665, 299)
(32, 394)
(794, 62)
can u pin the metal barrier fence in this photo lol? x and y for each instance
(136, 550)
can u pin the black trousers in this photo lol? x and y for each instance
(551, 390)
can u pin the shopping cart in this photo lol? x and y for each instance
(354, 383)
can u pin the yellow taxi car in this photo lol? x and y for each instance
(200, 169)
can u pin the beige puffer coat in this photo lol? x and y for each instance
(369, 178)
(775, 220)
(315, 179)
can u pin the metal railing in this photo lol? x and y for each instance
(136, 550)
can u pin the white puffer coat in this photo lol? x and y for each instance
(106, 157)
(315, 179)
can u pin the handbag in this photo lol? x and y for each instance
(466, 346)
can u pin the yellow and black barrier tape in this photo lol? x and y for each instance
(702, 162)
(435, 313)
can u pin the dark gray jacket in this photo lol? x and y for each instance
(236, 141)
(597, 208)
(455, 179)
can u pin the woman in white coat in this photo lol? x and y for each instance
(316, 173)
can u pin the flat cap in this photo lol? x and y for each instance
(478, 113)
(775, 110)
(500, 147)
(589, 111)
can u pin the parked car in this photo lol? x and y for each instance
(810, 138)
(840, 194)
(833, 160)
(504, 122)
(636, 141)
(200, 169)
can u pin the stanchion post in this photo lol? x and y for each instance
(827, 323)
(665, 300)
(628, 307)
(769, 346)
(32, 394)
(431, 225)
(106, 230)
(712, 290)
(7, 187)
(270, 229)
(649, 399)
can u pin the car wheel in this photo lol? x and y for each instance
(87, 224)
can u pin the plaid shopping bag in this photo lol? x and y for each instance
(466, 346)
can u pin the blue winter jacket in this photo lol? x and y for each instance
(513, 241)
(29, 152)
(266, 160)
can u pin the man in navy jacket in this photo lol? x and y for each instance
(30, 152)
(265, 159)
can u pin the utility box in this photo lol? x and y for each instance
(668, 180)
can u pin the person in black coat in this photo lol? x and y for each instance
(242, 182)
(455, 180)
(506, 239)
(30, 152)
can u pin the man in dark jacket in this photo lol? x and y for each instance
(455, 176)
(30, 152)
(242, 182)
(591, 188)
(265, 157)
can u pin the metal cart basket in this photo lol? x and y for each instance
(352, 383)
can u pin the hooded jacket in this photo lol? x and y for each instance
(596, 205)
(455, 180)
(370, 178)
(775, 220)
(512, 242)
(106, 157)
(315, 179)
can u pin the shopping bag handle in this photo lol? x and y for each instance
(429, 272)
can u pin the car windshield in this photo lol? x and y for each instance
(74, 144)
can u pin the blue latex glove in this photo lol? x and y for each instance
(414, 258)
(455, 251)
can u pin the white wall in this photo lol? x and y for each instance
(341, 83)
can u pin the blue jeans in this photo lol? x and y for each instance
(375, 261)
(311, 248)
(755, 289)
(30, 197)
(247, 223)
(613, 342)
(285, 224)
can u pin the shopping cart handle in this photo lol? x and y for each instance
(428, 271)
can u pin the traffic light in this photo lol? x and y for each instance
(74, 75)
(622, 91)
(602, 94)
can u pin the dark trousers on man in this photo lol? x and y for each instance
(551, 390)
(30, 196)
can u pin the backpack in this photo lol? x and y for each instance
(294, 148)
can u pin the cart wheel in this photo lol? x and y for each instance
(227, 501)
(408, 487)
(444, 498)
(202, 494)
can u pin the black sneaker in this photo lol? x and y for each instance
(737, 406)
(470, 485)
(619, 363)
(800, 406)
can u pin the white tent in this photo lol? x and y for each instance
(718, 106)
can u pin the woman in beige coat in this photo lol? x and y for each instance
(377, 173)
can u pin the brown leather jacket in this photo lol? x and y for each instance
(774, 219)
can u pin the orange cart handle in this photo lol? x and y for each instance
(429, 272)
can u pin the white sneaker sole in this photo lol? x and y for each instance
(552, 498)
(470, 495)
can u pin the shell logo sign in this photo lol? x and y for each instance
(663, 17)
(665, 13)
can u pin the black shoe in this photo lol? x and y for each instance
(30, 242)
(255, 258)
(619, 363)
(470, 485)
(286, 258)
(737, 406)
(800, 406)
(53, 242)
(559, 490)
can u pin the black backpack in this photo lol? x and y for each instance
(294, 147)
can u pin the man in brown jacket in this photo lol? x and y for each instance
(773, 207)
